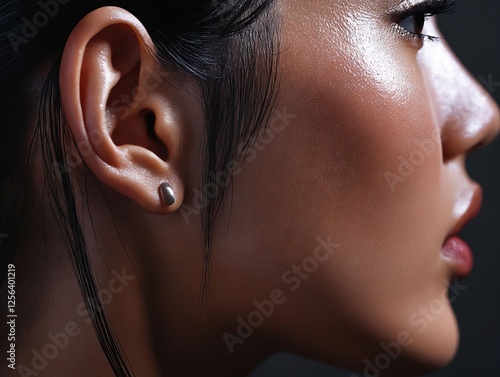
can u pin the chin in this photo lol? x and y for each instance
(431, 350)
(410, 350)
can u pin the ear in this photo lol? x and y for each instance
(121, 108)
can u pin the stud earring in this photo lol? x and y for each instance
(167, 194)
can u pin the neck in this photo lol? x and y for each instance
(55, 335)
(153, 310)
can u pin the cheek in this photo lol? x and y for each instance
(367, 170)
(358, 159)
(370, 168)
(355, 142)
(362, 162)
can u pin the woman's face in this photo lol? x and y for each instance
(340, 212)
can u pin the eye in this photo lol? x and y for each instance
(410, 17)
(414, 23)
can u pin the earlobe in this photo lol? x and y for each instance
(119, 109)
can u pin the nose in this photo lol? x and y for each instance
(468, 116)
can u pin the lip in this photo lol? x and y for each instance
(455, 250)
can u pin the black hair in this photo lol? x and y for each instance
(230, 47)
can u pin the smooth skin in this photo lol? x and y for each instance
(348, 258)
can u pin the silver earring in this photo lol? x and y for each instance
(167, 194)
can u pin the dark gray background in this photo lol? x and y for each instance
(473, 32)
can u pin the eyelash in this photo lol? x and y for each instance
(422, 12)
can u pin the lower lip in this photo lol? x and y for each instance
(459, 254)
